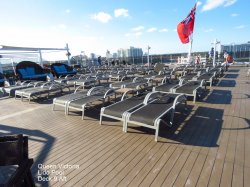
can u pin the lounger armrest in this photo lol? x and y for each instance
(46, 84)
(109, 92)
(78, 88)
(37, 84)
(141, 86)
(69, 75)
(54, 86)
(94, 89)
(203, 82)
(150, 96)
(25, 82)
(135, 79)
(179, 99)
(125, 94)
(123, 78)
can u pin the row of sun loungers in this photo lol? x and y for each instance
(148, 108)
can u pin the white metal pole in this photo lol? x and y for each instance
(215, 43)
(40, 58)
(13, 66)
(67, 48)
(1, 69)
(190, 48)
(148, 55)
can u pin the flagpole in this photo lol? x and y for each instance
(190, 48)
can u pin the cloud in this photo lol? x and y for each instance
(209, 30)
(102, 17)
(136, 34)
(136, 29)
(234, 15)
(212, 4)
(153, 29)
(62, 26)
(199, 3)
(240, 27)
(163, 30)
(128, 34)
(121, 12)
(229, 2)
(67, 11)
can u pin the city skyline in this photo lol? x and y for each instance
(95, 27)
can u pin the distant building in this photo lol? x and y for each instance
(122, 53)
(108, 55)
(239, 51)
(236, 47)
(115, 55)
(135, 52)
(92, 56)
(131, 52)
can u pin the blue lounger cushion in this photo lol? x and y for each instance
(23, 72)
(30, 71)
(63, 69)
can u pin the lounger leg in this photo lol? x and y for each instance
(125, 128)
(172, 117)
(67, 109)
(83, 110)
(195, 94)
(157, 132)
(100, 119)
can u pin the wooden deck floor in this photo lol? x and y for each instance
(209, 145)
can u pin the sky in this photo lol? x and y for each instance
(95, 26)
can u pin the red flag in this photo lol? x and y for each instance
(186, 27)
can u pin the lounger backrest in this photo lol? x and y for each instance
(95, 90)
(151, 96)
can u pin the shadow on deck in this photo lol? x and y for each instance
(231, 76)
(201, 129)
(219, 97)
(226, 83)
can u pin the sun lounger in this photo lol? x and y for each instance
(208, 77)
(118, 110)
(45, 88)
(122, 82)
(153, 113)
(65, 79)
(63, 100)
(168, 86)
(26, 84)
(117, 75)
(86, 82)
(96, 94)
(191, 88)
